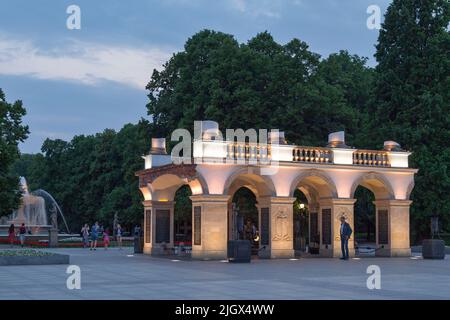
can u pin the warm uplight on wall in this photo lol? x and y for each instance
(399, 159)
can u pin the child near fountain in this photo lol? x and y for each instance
(106, 238)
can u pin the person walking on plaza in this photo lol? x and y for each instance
(11, 234)
(85, 235)
(119, 236)
(106, 239)
(22, 234)
(346, 232)
(94, 236)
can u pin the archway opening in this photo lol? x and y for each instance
(316, 188)
(244, 218)
(364, 221)
(372, 192)
(183, 216)
(301, 222)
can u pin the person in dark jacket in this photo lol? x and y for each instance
(345, 232)
(22, 234)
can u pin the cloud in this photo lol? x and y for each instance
(88, 63)
(256, 8)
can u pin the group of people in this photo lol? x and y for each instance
(92, 234)
(21, 233)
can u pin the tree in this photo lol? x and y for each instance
(354, 79)
(12, 131)
(412, 99)
(92, 177)
(259, 84)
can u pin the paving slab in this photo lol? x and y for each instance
(121, 274)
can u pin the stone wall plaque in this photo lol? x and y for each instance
(162, 226)
(197, 225)
(281, 226)
(148, 225)
(314, 226)
(326, 226)
(265, 226)
(383, 227)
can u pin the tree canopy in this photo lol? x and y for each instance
(259, 84)
(412, 103)
(265, 84)
(12, 131)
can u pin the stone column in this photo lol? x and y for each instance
(392, 228)
(331, 211)
(313, 225)
(148, 226)
(209, 226)
(158, 227)
(281, 227)
(263, 205)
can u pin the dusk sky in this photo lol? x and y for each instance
(83, 81)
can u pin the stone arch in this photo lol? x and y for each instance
(409, 190)
(375, 182)
(251, 178)
(147, 192)
(317, 180)
(168, 178)
(310, 193)
(164, 187)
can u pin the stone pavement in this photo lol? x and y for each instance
(115, 274)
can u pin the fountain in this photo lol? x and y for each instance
(33, 211)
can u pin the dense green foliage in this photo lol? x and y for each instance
(92, 177)
(261, 84)
(264, 84)
(412, 94)
(12, 131)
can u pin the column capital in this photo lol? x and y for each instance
(153, 203)
(282, 200)
(337, 201)
(210, 198)
(392, 203)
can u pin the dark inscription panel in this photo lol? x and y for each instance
(162, 226)
(148, 225)
(383, 226)
(314, 226)
(265, 226)
(326, 226)
(197, 225)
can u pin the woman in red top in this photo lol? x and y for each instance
(11, 234)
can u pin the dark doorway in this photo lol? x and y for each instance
(246, 217)
(183, 215)
(365, 221)
(301, 218)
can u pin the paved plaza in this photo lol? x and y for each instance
(115, 274)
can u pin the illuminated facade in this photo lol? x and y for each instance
(327, 176)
